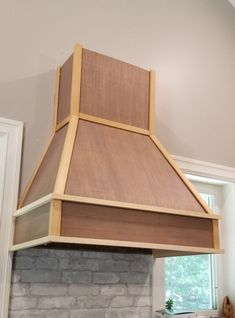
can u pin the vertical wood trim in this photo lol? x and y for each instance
(34, 173)
(181, 175)
(55, 217)
(66, 156)
(152, 83)
(76, 80)
(216, 237)
(56, 97)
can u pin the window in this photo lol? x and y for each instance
(190, 280)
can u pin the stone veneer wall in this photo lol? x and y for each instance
(68, 283)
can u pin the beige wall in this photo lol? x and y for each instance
(190, 43)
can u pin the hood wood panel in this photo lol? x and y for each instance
(113, 164)
(45, 177)
(110, 223)
(114, 90)
(64, 94)
(105, 179)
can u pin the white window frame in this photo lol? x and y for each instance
(214, 173)
(10, 154)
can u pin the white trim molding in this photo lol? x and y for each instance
(205, 169)
(10, 155)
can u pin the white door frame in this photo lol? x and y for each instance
(10, 156)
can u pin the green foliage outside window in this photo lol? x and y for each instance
(188, 282)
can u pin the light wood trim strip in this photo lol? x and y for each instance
(133, 206)
(76, 80)
(181, 175)
(162, 253)
(216, 237)
(34, 205)
(36, 242)
(56, 97)
(152, 83)
(114, 124)
(55, 217)
(34, 173)
(76, 240)
(62, 123)
(66, 156)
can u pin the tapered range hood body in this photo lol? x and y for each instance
(104, 178)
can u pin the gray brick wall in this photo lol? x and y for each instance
(68, 283)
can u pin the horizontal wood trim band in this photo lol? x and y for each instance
(141, 207)
(36, 242)
(159, 250)
(114, 124)
(34, 205)
(62, 123)
(165, 247)
(181, 175)
(166, 253)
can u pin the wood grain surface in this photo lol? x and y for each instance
(65, 90)
(44, 180)
(114, 164)
(114, 90)
(89, 221)
(32, 225)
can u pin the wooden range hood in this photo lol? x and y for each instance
(104, 178)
